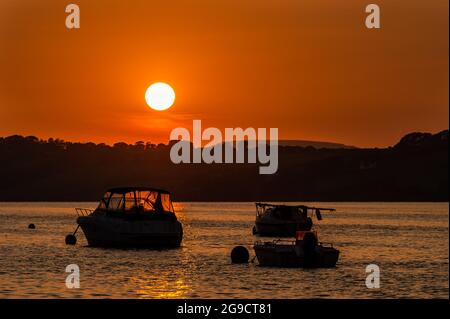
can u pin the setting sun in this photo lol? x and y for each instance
(160, 96)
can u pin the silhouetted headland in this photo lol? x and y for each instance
(415, 169)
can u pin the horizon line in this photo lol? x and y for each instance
(225, 141)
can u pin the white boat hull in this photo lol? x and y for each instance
(101, 231)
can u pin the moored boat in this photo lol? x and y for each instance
(138, 217)
(284, 220)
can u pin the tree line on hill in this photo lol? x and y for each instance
(415, 169)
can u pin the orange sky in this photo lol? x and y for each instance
(308, 67)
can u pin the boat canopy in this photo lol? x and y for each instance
(267, 205)
(288, 210)
(137, 199)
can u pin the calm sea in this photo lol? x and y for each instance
(408, 241)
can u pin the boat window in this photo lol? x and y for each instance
(166, 203)
(104, 201)
(130, 203)
(116, 202)
(147, 200)
(102, 204)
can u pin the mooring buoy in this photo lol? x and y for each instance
(71, 239)
(31, 226)
(239, 255)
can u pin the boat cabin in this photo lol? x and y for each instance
(287, 212)
(136, 200)
(281, 211)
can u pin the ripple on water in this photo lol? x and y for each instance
(409, 241)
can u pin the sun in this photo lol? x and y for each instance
(160, 96)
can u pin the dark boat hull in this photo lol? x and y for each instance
(273, 255)
(110, 232)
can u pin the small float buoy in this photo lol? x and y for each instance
(239, 255)
(31, 226)
(71, 239)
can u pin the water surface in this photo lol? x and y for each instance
(408, 241)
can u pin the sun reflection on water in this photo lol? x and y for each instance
(160, 286)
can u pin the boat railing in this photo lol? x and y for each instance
(288, 242)
(284, 241)
(275, 242)
(83, 211)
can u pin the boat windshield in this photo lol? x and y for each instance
(141, 201)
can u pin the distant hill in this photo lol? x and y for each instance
(302, 143)
(415, 169)
(315, 144)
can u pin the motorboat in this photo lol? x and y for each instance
(139, 217)
(305, 251)
(284, 220)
